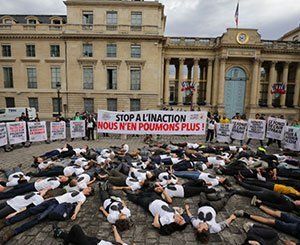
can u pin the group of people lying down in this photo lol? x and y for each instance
(151, 177)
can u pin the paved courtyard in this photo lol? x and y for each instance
(142, 232)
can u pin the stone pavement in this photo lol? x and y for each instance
(142, 232)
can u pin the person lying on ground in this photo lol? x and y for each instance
(114, 209)
(41, 211)
(166, 219)
(77, 236)
(81, 182)
(205, 221)
(186, 190)
(38, 185)
(284, 222)
(14, 176)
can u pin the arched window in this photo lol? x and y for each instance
(236, 74)
(32, 20)
(7, 20)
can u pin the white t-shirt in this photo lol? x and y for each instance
(125, 148)
(140, 175)
(44, 165)
(70, 170)
(165, 178)
(101, 159)
(215, 161)
(192, 146)
(83, 180)
(165, 212)
(71, 197)
(79, 150)
(48, 183)
(82, 162)
(211, 124)
(175, 160)
(209, 178)
(20, 202)
(106, 153)
(175, 190)
(139, 165)
(233, 148)
(207, 214)
(114, 209)
(133, 184)
(13, 179)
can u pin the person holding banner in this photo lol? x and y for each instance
(257, 117)
(275, 130)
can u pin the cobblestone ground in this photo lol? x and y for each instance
(141, 233)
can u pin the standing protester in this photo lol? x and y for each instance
(210, 129)
(257, 117)
(271, 141)
(90, 126)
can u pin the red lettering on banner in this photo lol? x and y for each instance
(107, 125)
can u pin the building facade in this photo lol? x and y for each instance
(114, 55)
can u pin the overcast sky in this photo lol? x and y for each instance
(205, 18)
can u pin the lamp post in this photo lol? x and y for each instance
(58, 87)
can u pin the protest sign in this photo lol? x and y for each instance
(239, 128)
(77, 129)
(57, 130)
(152, 122)
(275, 128)
(37, 131)
(291, 138)
(3, 134)
(256, 129)
(223, 132)
(16, 132)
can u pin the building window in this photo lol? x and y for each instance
(136, 21)
(88, 105)
(112, 104)
(55, 103)
(56, 22)
(135, 51)
(264, 86)
(111, 50)
(201, 93)
(54, 50)
(8, 77)
(88, 77)
(31, 77)
(112, 78)
(87, 18)
(87, 50)
(296, 38)
(135, 78)
(6, 50)
(135, 104)
(34, 102)
(172, 94)
(55, 77)
(31, 22)
(7, 21)
(111, 20)
(10, 102)
(30, 50)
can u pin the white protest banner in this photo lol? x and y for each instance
(239, 129)
(3, 134)
(57, 130)
(275, 128)
(16, 132)
(77, 129)
(152, 122)
(37, 131)
(223, 132)
(256, 129)
(291, 138)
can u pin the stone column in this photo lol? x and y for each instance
(196, 80)
(221, 82)
(215, 82)
(254, 83)
(272, 80)
(167, 81)
(284, 81)
(180, 80)
(209, 82)
(297, 87)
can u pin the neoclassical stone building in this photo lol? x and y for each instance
(114, 55)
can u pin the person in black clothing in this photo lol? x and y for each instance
(77, 236)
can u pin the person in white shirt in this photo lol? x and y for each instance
(114, 209)
(14, 176)
(205, 221)
(166, 219)
(70, 197)
(211, 125)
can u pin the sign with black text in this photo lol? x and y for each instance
(275, 128)
(239, 129)
(256, 129)
(16, 132)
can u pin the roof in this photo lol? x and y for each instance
(43, 19)
(290, 33)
